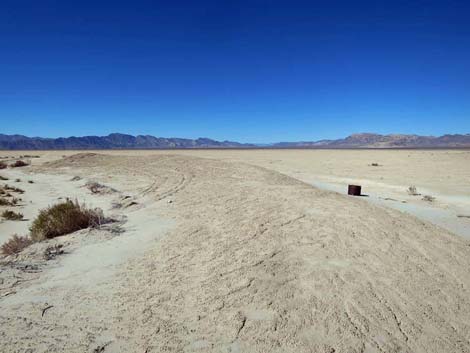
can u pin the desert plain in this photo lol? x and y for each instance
(243, 251)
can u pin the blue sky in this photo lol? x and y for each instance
(251, 71)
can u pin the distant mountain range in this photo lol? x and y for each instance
(112, 141)
(369, 140)
(122, 141)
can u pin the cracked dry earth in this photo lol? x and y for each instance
(259, 262)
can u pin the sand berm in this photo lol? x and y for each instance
(257, 261)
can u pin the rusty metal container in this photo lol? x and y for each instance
(354, 190)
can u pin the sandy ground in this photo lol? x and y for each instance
(443, 174)
(226, 254)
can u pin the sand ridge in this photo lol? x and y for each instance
(257, 261)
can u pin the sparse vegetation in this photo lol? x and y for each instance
(413, 191)
(52, 252)
(15, 245)
(3, 165)
(19, 163)
(97, 188)
(375, 165)
(5, 202)
(3, 178)
(428, 198)
(13, 189)
(30, 181)
(17, 180)
(64, 218)
(12, 216)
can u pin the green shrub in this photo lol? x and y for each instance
(12, 216)
(64, 218)
(15, 245)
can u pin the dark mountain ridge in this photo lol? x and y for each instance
(370, 140)
(123, 141)
(112, 141)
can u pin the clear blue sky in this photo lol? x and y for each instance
(257, 71)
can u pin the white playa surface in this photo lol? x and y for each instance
(443, 174)
(226, 254)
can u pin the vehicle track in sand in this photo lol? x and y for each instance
(260, 262)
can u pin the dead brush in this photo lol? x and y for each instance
(52, 252)
(4, 192)
(19, 163)
(13, 189)
(97, 188)
(428, 198)
(15, 245)
(5, 202)
(12, 216)
(64, 218)
(412, 191)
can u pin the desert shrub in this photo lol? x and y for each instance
(15, 245)
(30, 181)
(64, 218)
(428, 198)
(19, 163)
(3, 165)
(375, 165)
(13, 189)
(5, 202)
(3, 178)
(412, 191)
(12, 216)
(97, 188)
(53, 251)
(17, 180)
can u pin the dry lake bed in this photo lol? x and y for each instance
(242, 251)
